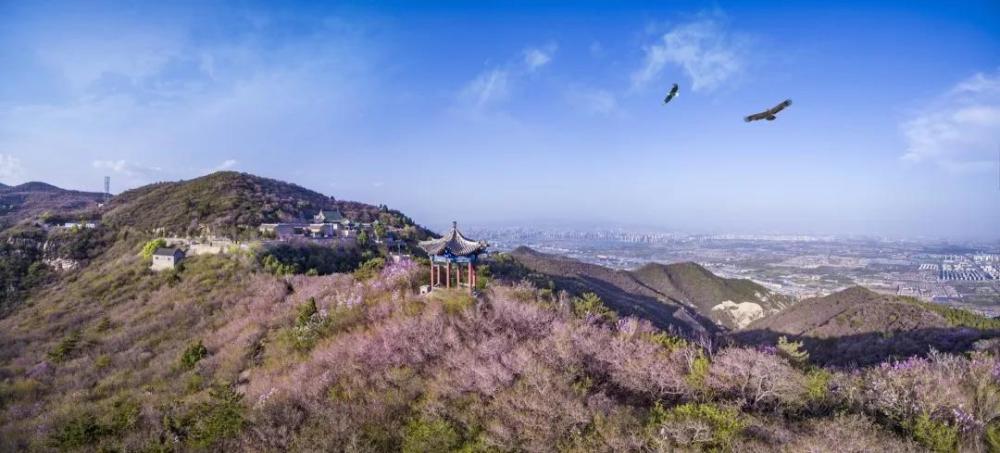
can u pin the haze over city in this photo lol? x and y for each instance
(526, 113)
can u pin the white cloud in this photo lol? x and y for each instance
(594, 101)
(980, 83)
(10, 167)
(184, 105)
(960, 130)
(227, 164)
(536, 57)
(490, 86)
(124, 168)
(117, 166)
(495, 84)
(87, 58)
(708, 53)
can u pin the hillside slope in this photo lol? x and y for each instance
(230, 203)
(216, 356)
(859, 326)
(618, 290)
(733, 303)
(32, 199)
(710, 300)
(225, 203)
(221, 354)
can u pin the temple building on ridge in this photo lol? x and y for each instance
(453, 250)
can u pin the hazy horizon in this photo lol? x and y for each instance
(528, 113)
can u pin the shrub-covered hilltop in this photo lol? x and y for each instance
(38, 199)
(223, 204)
(858, 326)
(231, 204)
(680, 294)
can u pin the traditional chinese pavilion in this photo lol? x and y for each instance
(453, 250)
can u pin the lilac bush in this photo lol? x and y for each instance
(950, 390)
(755, 379)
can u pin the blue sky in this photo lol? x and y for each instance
(522, 113)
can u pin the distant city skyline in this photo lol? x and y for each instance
(526, 112)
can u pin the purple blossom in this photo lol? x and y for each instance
(40, 370)
(396, 275)
(399, 270)
(909, 364)
(627, 326)
(966, 421)
(767, 349)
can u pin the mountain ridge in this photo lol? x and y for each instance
(34, 199)
(226, 204)
(725, 303)
(233, 203)
(859, 326)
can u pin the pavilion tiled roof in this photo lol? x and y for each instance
(331, 215)
(453, 242)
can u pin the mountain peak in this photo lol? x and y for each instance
(654, 287)
(31, 199)
(835, 327)
(37, 186)
(228, 203)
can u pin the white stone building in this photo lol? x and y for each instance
(166, 258)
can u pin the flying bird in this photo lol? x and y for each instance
(769, 114)
(674, 91)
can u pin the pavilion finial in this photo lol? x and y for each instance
(454, 224)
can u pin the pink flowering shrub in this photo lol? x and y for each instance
(398, 275)
(331, 363)
(949, 391)
(755, 379)
(844, 433)
(495, 370)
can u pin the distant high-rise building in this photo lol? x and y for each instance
(107, 188)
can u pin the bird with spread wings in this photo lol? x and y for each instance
(674, 91)
(770, 113)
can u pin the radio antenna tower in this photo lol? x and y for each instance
(107, 188)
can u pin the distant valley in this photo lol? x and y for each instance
(965, 275)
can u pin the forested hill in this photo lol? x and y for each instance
(38, 199)
(694, 296)
(858, 326)
(231, 203)
(225, 204)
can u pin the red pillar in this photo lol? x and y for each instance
(447, 277)
(434, 269)
(472, 278)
